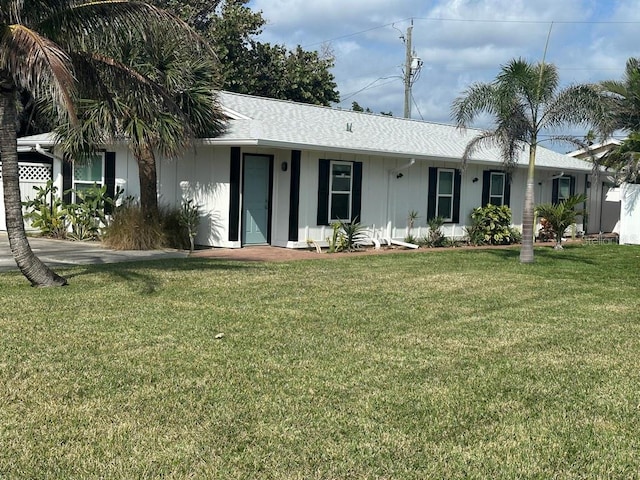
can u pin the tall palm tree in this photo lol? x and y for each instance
(525, 100)
(40, 41)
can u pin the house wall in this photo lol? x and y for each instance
(387, 199)
(203, 174)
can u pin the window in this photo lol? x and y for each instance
(340, 191)
(87, 173)
(445, 189)
(443, 196)
(496, 188)
(564, 188)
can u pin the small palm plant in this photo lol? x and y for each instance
(559, 216)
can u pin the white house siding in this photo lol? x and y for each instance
(387, 199)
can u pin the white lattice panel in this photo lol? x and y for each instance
(33, 172)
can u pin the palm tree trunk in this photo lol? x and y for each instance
(526, 250)
(148, 185)
(31, 267)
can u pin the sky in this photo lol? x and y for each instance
(459, 42)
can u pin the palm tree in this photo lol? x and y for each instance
(40, 42)
(561, 215)
(179, 105)
(524, 100)
(624, 97)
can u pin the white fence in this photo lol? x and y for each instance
(31, 175)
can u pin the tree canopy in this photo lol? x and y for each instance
(252, 67)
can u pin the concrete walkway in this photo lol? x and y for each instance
(57, 253)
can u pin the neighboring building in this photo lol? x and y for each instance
(604, 201)
(284, 171)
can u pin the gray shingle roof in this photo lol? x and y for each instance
(270, 122)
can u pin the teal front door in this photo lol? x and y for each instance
(255, 199)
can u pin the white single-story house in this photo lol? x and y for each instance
(284, 171)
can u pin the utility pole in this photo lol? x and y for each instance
(412, 66)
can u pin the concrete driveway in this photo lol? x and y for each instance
(57, 253)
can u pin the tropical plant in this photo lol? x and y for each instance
(49, 48)
(491, 225)
(435, 237)
(46, 211)
(623, 97)
(179, 104)
(189, 220)
(87, 217)
(624, 159)
(561, 215)
(353, 232)
(524, 101)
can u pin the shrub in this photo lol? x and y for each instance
(128, 230)
(189, 219)
(48, 217)
(560, 216)
(435, 237)
(491, 225)
(345, 235)
(87, 218)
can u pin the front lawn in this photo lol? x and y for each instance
(447, 364)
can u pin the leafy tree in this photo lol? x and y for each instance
(48, 48)
(252, 67)
(524, 100)
(561, 215)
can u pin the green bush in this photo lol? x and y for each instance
(491, 225)
(48, 217)
(87, 217)
(434, 237)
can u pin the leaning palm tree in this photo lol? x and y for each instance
(561, 215)
(524, 100)
(40, 41)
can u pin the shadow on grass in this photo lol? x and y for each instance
(144, 272)
(548, 254)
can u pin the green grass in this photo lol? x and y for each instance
(457, 364)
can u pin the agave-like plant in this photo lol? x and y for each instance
(561, 215)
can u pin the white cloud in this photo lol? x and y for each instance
(460, 41)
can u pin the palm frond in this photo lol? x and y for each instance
(478, 98)
(38, 65)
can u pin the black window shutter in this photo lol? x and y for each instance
(572, 185)
(234, 194)
(110, 178)
(507, 189)
(323, 192)
(431, 194)
(486, 185)
(457, 183)
(294, 195)
(67, 181)
(554, 190)
(356, 199)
